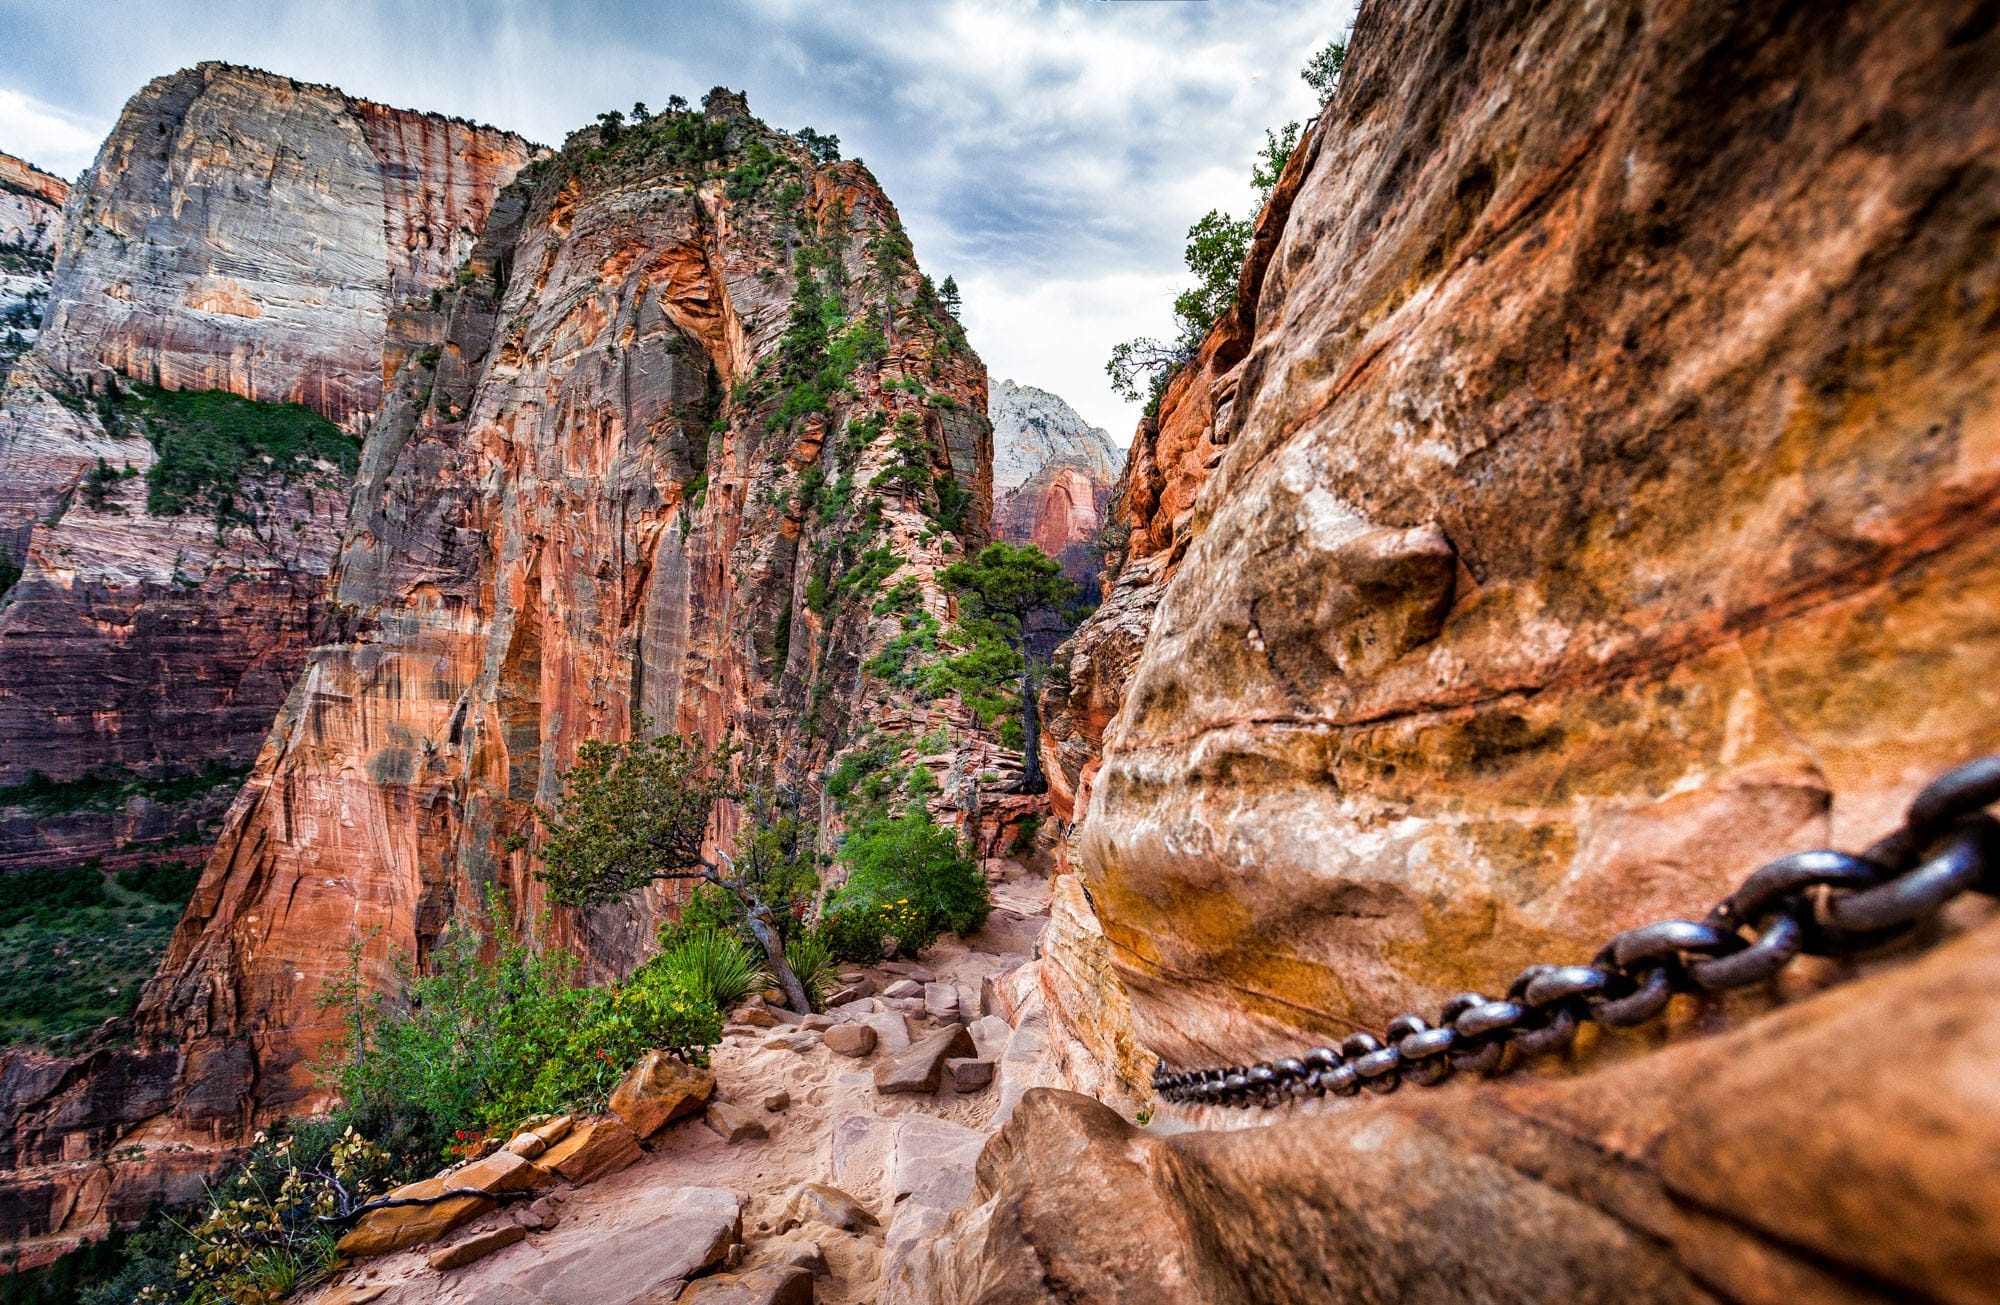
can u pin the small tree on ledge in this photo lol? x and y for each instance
(632, 813)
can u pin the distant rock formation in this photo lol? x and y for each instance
(238, 231)
(611, 481)
(1053, 475)
(31, 204)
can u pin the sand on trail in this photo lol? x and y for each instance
(827, 1091)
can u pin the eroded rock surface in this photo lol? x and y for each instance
(1605, 502)
(31, 204)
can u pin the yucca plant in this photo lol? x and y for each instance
(718, 964)
(810, 959)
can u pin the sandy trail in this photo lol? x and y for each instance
(830, 1096)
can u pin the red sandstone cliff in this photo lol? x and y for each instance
(1595, 493)
(161, 643)
(587, 501)
(1053, 477)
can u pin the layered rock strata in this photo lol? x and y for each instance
(157, 644)
(1053, 476)
(656, 457)
(1593, 515)
(31, 204)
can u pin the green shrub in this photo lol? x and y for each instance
(715, 963)
(75, 952)
(208, 441)
(475, 1046)
(163, 881)
(908, 881)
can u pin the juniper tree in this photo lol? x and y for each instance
(638, 812)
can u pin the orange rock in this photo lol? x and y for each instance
(660, 1089)
(592, 1149)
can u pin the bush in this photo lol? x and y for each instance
(909, 880)
(716, 964)
(209, 440)
(812, 960)
(478, 1046)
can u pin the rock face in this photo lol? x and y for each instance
(1053, 476)
(162, 643)
(180, 263)
(1562, 557)
(1593, 495)
(31, 204)
(1753, 1167)
(607, 490)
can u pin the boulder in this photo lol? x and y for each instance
(892, 1031)
(917, 1067)
(797, 1251)
(477, 1247)
(941, 1001)
(818, 1203)
(660, 1089)
(968, 1074)
(849, 1039)
(526, 1145)
(503, 1171)
(688, 1231)
(864, 987)
(903, 988)
(777, 1284)
(758, 1017)
(380, 1231)
(816, 1023)
(968, 1004)
(734, 1123)
(555, 1130)
(909, 971)
(593, 1148)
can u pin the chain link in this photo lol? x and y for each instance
(1817, 903)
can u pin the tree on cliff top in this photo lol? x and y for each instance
(1001, 591)
(635, 812)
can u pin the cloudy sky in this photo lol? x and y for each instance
(1048, 153)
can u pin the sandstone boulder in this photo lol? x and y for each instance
(734, 1123)
(593, 1148)
(917, 1067)
(818, 1203)
(380, 1231)
(660, 1089)
(941, 1001)
(903, 988)
(849, 1039)
(969, 1074)
(777, 1284)
(688, 1231)
(477, 1247)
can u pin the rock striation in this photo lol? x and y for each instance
(626, 471)
(1592, 495)
(31, 203)
(157, 644)
(1053, 475)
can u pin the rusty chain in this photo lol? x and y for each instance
(1817, 903)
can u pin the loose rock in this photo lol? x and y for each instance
(969, 1075)
(592, 1149)
(776, 1101)
(917, 1067)
(477, 1247)
(903, 988)
(660, 1089)
(849, 1039)
(733, 1122)
(940, 1001)
(819, 1203)
(779, 1284)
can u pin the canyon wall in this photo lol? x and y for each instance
(1593, 494)
(655, 455)
(1053, 475)
(155, 642)
(31, 204)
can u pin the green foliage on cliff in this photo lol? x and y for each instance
(109, 788)
(76, 947)
(211, 442)
(471, 1046)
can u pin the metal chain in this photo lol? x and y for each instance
(1817, 903)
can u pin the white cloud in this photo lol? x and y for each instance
(1049, 154)
(47, 137)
